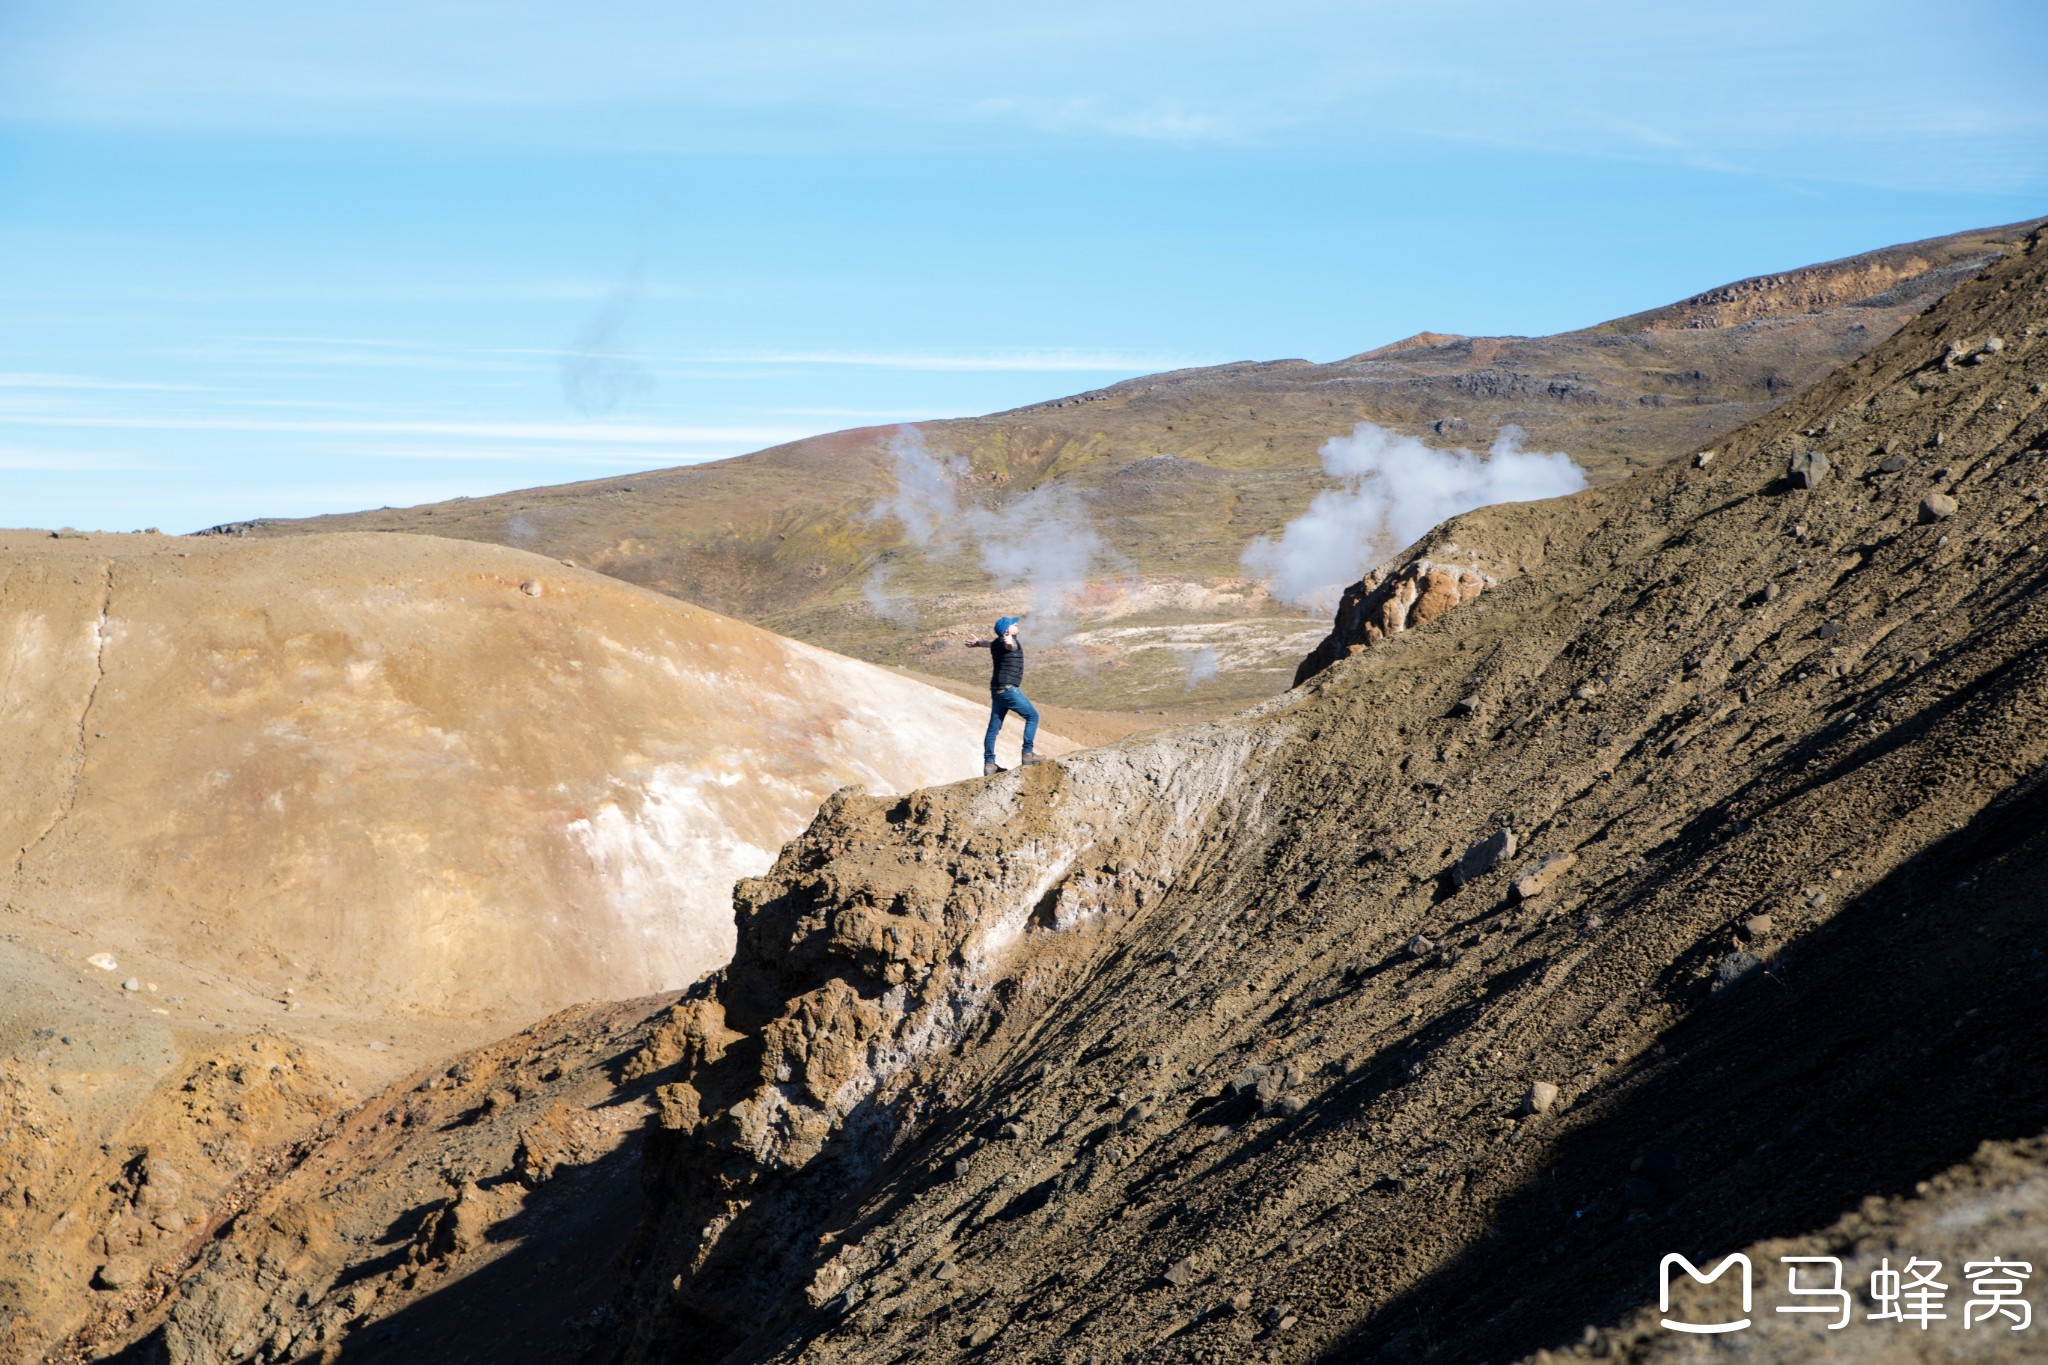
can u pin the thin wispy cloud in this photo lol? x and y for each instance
(515, 455)
(308, 291)
(307, 404)
(1014, 362)
(33, 380)
(38, 459)
(361, 355)
(1151, 121)
(374, 351)
(509, 431)
(864, 414)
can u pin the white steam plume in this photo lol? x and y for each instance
(1201, 665)
(888, 605)
(926, 498)
(1044, 542)
(1394, 488)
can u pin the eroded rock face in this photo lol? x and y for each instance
(890, 933)
(105, 1228)
(409, 1208)
(1390, 600)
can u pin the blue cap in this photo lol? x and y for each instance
(1003, 626)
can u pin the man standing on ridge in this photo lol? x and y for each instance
(1006, 692)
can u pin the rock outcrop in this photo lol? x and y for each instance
(888, 939)
(1392, 599)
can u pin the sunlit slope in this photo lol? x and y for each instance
(414, 772)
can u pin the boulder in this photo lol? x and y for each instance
(1936, 507)
(120, 1272)
(1537, 878)
(1388, 601)
(1484, 856)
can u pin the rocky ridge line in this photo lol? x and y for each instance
(892, 935)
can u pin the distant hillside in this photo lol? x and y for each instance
(1180, 471)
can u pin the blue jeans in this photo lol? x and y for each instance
(1001, 704)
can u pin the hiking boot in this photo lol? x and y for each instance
(1030, 757)
(989, 768)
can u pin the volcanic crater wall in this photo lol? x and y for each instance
(435, 774)
(888, 938)
(1332, 1052)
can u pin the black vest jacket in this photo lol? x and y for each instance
(1007, 665)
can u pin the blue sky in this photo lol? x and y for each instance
(265, 259)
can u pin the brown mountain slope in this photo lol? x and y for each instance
(511, 1170)
(1916, 272)
(1253, 1041)
(1074, 1069)
(414, 773)
(280, 818)
(1181, 471)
